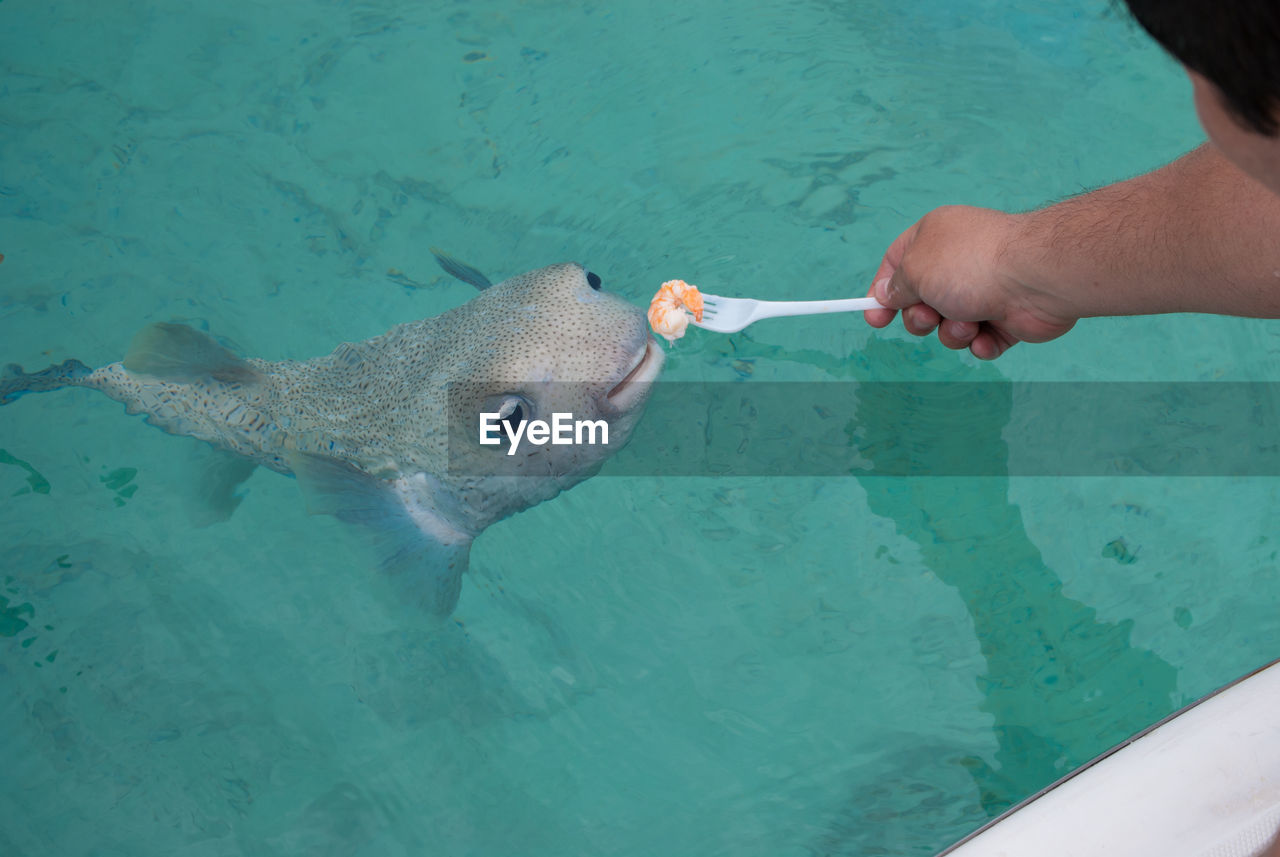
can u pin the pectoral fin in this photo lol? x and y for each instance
(217, 474)
(422, 557)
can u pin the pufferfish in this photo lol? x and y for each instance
(384, 432)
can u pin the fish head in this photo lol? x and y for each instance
(549, 342)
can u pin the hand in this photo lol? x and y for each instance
(950, 271)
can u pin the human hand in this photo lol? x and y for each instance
(952, 271)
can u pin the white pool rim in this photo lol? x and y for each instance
(1203, 782)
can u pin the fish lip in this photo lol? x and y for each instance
(644, 368)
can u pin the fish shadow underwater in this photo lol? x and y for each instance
(384, 433)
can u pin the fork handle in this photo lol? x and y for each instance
(774, 309)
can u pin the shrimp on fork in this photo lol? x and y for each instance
(670, 309)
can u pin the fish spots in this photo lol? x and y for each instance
(475, 56)
(121, 482)
(36, 484)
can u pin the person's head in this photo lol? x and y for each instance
(1231, 50)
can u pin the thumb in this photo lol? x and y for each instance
(889, 286)
(895, 292)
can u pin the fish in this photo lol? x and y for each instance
(461, 270)
(384, 433)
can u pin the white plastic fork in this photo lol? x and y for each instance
(729, 315)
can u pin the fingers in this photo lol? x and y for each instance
(883, 287)
(957, 334)
(920, 319)
(878, 317)
(982, 339)
(893, 292)
(990, 343)
(893, 256)
(950, 273)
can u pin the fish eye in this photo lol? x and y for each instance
(512, 411)
(594, 280)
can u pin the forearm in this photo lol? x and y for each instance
(1194, 236)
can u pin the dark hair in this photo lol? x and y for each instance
(1235, 44)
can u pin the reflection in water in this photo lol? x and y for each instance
(1061, 686)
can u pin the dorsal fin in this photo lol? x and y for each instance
(461, 270)
(176, 352)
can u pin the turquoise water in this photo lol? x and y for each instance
(796, 666)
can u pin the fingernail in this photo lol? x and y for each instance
(882, 289)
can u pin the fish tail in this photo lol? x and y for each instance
(14, 382)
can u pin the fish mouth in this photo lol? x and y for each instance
(645, 367)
